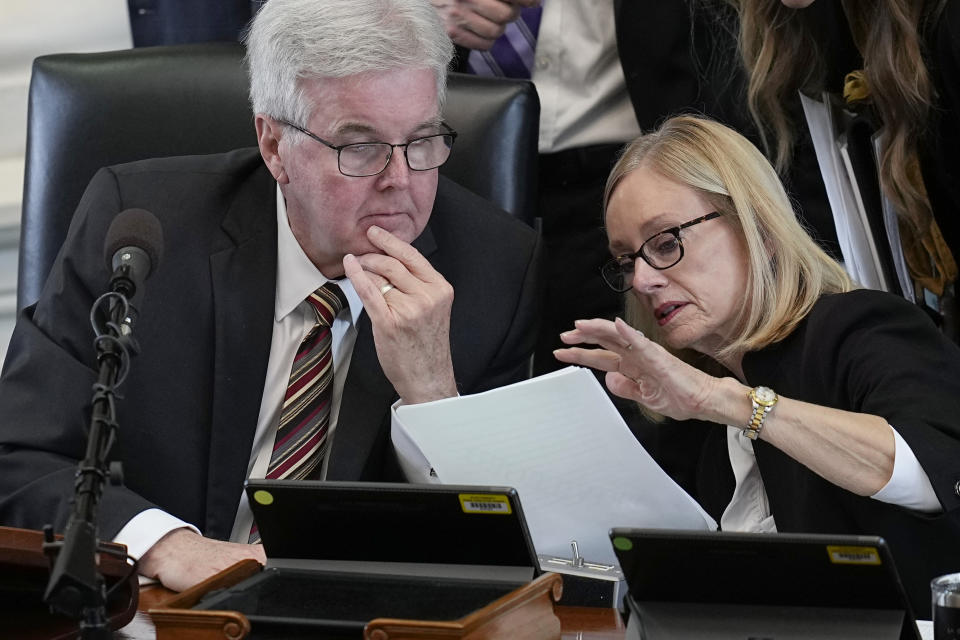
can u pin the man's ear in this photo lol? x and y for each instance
(269, 134)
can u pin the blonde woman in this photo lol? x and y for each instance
(841, 406)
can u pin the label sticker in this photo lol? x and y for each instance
(853, 555)
(485, 503)
(263, 497)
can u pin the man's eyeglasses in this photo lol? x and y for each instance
(361, 159)
(661, 251)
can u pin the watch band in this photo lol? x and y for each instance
(763, 399)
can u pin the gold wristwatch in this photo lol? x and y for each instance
(763, 399)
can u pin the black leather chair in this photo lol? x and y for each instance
(87, 111)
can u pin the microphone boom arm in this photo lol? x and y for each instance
(133, 247)
(76, 588)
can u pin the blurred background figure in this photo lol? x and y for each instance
(904, 73)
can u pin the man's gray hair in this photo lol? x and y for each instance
(290, 41)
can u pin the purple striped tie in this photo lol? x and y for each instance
(512, 54)
(302, 434)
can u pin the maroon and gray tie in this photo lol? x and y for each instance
(301, 438)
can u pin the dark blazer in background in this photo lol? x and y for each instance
(679, 56)
(157, 22)
(938, 154)
(192, 398)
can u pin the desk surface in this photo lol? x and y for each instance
(580, 623)
(576, 623)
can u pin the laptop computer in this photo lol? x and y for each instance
(342, 553)
(776, 586)
(333, 523)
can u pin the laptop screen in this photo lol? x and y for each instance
(378, 522)
(755, 570)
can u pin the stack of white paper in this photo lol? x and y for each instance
(860, 257)
(562, 444)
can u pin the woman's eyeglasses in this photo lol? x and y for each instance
(661, 251)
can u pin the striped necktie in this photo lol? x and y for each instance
(301, 438)
(512, 54)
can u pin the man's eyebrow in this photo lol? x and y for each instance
(355, 127)
(347, 128)
(432, 123)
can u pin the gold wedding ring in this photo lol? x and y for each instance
(628, 346)
(385, 288)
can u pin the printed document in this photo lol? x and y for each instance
(560, 442)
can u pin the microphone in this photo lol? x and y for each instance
(132, 250)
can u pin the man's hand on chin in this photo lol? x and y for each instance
(183, 558)
(409, 307)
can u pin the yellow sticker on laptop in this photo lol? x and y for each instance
(853, 555)
(491, 503)
(263, 497)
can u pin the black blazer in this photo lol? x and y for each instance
(867, 352)
(191, 401)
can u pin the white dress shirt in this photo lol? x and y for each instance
(577, 72)
(293, 318)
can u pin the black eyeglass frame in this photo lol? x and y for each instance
(615, 265)
(338, 148)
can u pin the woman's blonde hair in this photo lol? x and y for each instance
(782, 55)
(787, 270)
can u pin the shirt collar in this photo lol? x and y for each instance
(297, 276)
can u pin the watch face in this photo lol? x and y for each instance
(764, 395)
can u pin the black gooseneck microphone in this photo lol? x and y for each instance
(132, 249)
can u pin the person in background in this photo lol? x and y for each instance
(834, 409)
(896, 61)
(604, 72)
(307, 285)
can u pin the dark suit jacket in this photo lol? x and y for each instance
(163, 22)
(192, 398)
(868, 352)
(680, 57)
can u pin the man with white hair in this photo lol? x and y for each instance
(306, 286)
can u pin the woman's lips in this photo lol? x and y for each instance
(666, 311)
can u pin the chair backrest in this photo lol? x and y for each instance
(88, 111)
